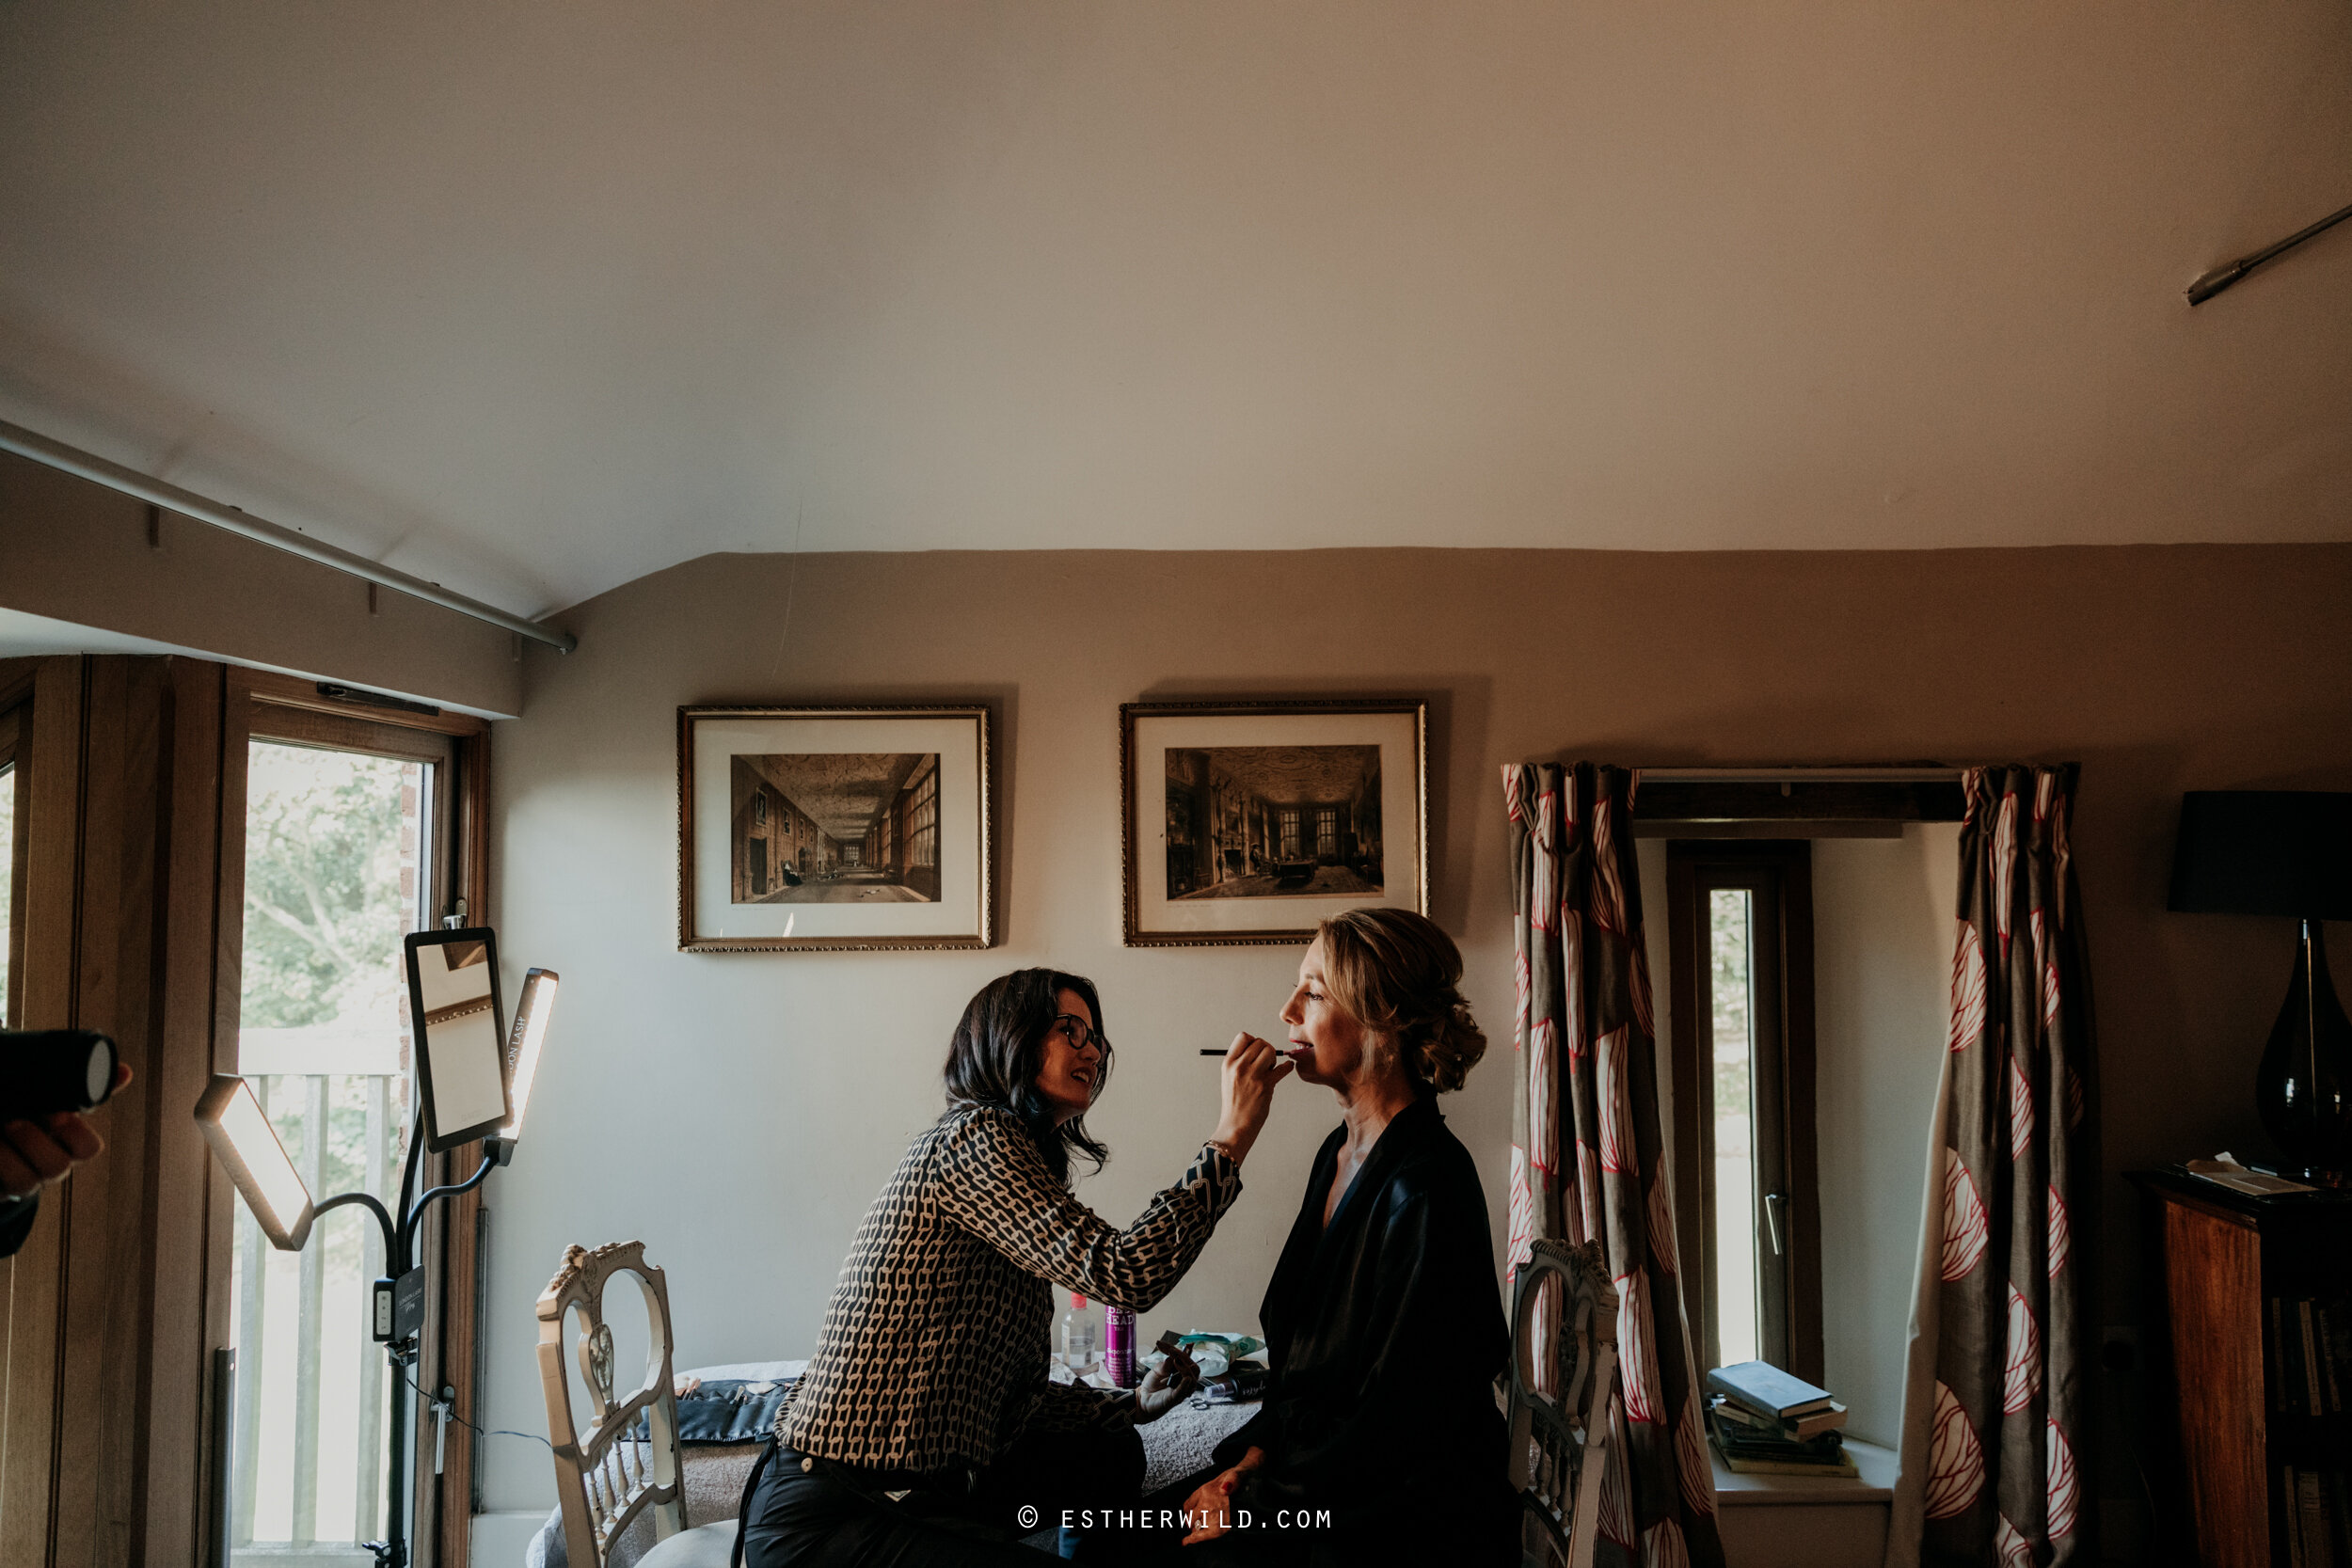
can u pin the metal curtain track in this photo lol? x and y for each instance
(1800, 775)
(99, 470)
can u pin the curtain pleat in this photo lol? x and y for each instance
(1997, 1419)
(1588, 1159)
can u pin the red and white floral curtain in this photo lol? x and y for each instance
(1588, 1157)
(1997, 1412)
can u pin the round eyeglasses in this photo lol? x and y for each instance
(1078, 1032)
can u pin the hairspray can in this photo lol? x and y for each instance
(1118, 1345)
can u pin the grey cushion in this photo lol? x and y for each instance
(704, 1547)
(714, 1479)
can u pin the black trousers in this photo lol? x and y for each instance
(816, 1513)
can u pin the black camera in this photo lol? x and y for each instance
(43, 1072)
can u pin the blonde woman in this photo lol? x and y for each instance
(1379, 1441)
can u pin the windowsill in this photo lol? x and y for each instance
(1876, 1484)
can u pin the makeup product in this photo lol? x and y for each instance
(1118, 1345)
(1081, 1338)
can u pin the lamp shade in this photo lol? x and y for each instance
(532, 1018)
(247, 1145)
(2265, 851)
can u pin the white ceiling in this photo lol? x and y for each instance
(534, 298)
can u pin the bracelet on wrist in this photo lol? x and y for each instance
(1225, 1148)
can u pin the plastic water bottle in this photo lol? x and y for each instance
(1081, 1338)
(1118, 1346)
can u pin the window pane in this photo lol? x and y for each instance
(7, 884)
(337, 851)
(1731, 986)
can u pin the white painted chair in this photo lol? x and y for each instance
(605, 1479)
(1564, 1369)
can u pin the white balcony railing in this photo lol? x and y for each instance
(312, 1397)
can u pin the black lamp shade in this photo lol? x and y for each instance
(2265, 851)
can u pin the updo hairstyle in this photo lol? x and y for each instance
(1395, 973)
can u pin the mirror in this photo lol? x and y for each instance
(461, 1054)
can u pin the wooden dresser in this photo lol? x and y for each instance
(2227, 1273)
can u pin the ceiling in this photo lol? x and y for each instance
(842, 792)
(534, 299)
(1291, 775)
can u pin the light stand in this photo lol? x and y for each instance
(399, 1311)
(249, 1147)
(240, 1132)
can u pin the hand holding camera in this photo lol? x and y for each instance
(48, 1080)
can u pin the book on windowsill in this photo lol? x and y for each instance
(1769, 1391)
(1746, 1450)
(1733, 1429)
(1842, 1465)
(1811, 1424)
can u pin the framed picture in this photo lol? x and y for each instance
(1249, 822)
(828, 827)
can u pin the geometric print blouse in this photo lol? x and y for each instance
(936, 1343)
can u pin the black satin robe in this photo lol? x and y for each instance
(1386, 1332)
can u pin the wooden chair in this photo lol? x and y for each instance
(1564, 1369)
(607, 1478)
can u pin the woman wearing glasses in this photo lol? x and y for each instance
(926, 1410)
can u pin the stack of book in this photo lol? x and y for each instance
(2308, 1338)
(2310, 1377)
(1764, 1421)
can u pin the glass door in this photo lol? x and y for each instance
(344, 855)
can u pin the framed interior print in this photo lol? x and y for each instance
(1249, 822)
(830, 828)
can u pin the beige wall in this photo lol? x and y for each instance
(78, 552)
(1882, 975)
(738, 1112)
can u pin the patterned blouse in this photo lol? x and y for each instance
(934, 1351)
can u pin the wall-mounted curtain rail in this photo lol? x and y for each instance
(1800, 775)
(1805, 802)
(99, 470)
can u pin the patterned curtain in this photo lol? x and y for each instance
(1998, 1414)
(1587, 1151)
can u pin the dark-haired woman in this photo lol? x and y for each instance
(926, 1430)
(1379, 1441)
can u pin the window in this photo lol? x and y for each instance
(1287, 826)
(1740, 925)
(1326, 833)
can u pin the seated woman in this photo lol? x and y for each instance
(930, 1372)
(1383, 1322)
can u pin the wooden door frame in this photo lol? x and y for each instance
(128, 890)
(263, 705)
(106, 1457)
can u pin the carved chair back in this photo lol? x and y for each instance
(1564, 1369)
(606, 1476)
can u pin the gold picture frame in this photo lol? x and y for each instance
(1244, 823)
(831, 829)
